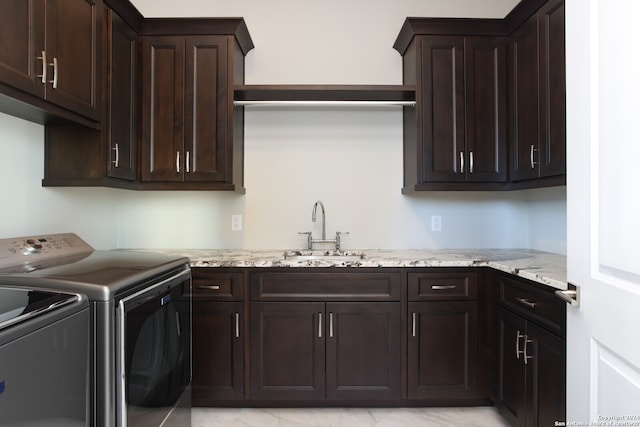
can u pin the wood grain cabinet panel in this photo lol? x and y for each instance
(122, 114)
(318, 339)
(537, 95)
(218, 336)
(531, 358)
(51, 49)
(443, 336)
(458, 134)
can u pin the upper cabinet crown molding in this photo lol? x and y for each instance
(447, 26)
(200, 26)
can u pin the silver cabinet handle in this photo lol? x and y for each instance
(43, 75)
(526, 302)
(533, 149)
(524, 351)
(187, 162)
(442, 287)
(177, 161)
(330, 325)
(319, 325)
(116, 162)
(413, 324)
(461, 162)
(55, 73)
(470, 161)
(571, 295)
(237, 316)
(209, 287)
(518, 336)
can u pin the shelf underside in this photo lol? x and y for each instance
(325, 95)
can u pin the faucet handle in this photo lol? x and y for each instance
(308, 233)
(338, 234)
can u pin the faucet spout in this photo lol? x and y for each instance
(324, 223)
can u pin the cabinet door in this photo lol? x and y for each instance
(121, 116)
(73, 45)
(162, 108)
(218, 368)
(553, 156)
(206, 95)
(486, 109)
(287, 351)
(21, 44)
(523, 108)
(443, 119)
(546, 387)
(363, 351)
(511, 368)
(443, 350)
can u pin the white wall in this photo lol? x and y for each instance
(351, 159)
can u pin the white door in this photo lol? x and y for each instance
(603, 211)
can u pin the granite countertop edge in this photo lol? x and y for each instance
(541, 267)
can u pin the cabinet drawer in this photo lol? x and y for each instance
(211, 285)
(533, 303)
(325, 286)
(443, 286)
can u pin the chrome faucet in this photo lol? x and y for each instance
(311, 240)
(324, 222)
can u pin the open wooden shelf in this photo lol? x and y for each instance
(324, 94)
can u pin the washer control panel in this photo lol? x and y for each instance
(36, 250)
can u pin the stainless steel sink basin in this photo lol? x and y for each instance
(323, 255)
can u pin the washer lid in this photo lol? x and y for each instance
(18, 305)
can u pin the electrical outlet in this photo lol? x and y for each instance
(436, 223)
(236, 222)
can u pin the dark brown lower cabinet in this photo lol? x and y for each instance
(443, 347)
(217, 336)
(325, 351)
(217, 352)
(532, 367)
(287, 351)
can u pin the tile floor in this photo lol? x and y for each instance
(347, 417)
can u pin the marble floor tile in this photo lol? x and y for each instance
(347, 417)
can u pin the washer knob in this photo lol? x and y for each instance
(31, 246)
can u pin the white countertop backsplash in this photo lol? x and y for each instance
(542, 267)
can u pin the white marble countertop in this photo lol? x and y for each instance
(542, 267)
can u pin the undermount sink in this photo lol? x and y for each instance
(323, 255)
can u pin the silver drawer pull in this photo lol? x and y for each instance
(526, 302)
(237, 316)
(461, 162)
(330, 325)
(413, 325)
(319, 325)
(524, 351)
(209, 287)
(518, 336)
(43, 76)
(442, 287)
(116, 162)
(54, 82)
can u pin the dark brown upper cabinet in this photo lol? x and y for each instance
(169, 122)
(455, 137)
(122, 100)
(50, 59)
(191, 134)
(537, 123)
(490, 100)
